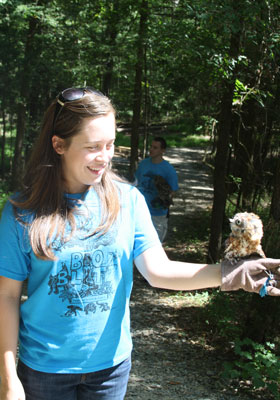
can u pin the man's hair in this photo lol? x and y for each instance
(43, 189)
(162, 142)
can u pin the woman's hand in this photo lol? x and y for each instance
(252, 275)
(12, 390)
(10, 293)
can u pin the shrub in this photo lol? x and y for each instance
(257, 363)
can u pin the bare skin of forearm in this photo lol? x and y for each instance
(11, 388)
(189, 276)
(161, 272)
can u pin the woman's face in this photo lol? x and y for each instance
(89, 153)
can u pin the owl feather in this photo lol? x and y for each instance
(245, 237)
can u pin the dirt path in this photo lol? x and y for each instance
(195, 186)
(196, 190)
(169, 360)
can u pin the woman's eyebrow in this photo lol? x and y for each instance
(100, 141)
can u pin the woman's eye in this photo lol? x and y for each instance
(100, 148)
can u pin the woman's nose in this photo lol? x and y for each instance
(104, 155)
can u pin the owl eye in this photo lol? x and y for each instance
(238, 222)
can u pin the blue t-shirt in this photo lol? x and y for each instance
(145, 174)
(76, 318)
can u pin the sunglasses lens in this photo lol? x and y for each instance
(72, 94)
(69, 95)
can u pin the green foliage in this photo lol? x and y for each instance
(243, 92)
(223, 315)
(226, 314)
(187, 55)
(122, 140)
(199, 298)
(187, 141)
(257, 363)
(3, 199)
(172, 140)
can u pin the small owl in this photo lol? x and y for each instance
(245, 237)
(164, 191)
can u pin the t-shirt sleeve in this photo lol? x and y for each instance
(145, 234)
(14, 248)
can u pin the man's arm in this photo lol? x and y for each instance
(172, 178)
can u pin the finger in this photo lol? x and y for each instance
(270, 287)
(258, 269)
(274, 282)
(273, 291)
(270, 263)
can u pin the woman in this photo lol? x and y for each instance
(74, 231)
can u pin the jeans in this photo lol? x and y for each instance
(161, 224)
(107, 384)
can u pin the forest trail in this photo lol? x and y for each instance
(170, 361)
(195, 181)
(195, 184)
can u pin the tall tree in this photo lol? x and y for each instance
(110, 37)
(24, 82)
(222, 152)
(137, 99)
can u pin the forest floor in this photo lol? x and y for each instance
(172, 357)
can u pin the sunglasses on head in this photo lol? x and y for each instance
(71, 94)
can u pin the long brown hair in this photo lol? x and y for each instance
(43, 192)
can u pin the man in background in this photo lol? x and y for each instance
(157, 180)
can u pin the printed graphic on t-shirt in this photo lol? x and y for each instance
(84, 281)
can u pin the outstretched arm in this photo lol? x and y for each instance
(10, 292)
(250, 275)
(160, 272)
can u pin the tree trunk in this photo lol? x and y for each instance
(111, 35)
(247, 150)
(271, 245)
(221, 160)
(219, 179)
(138, 88)
(21, 108)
